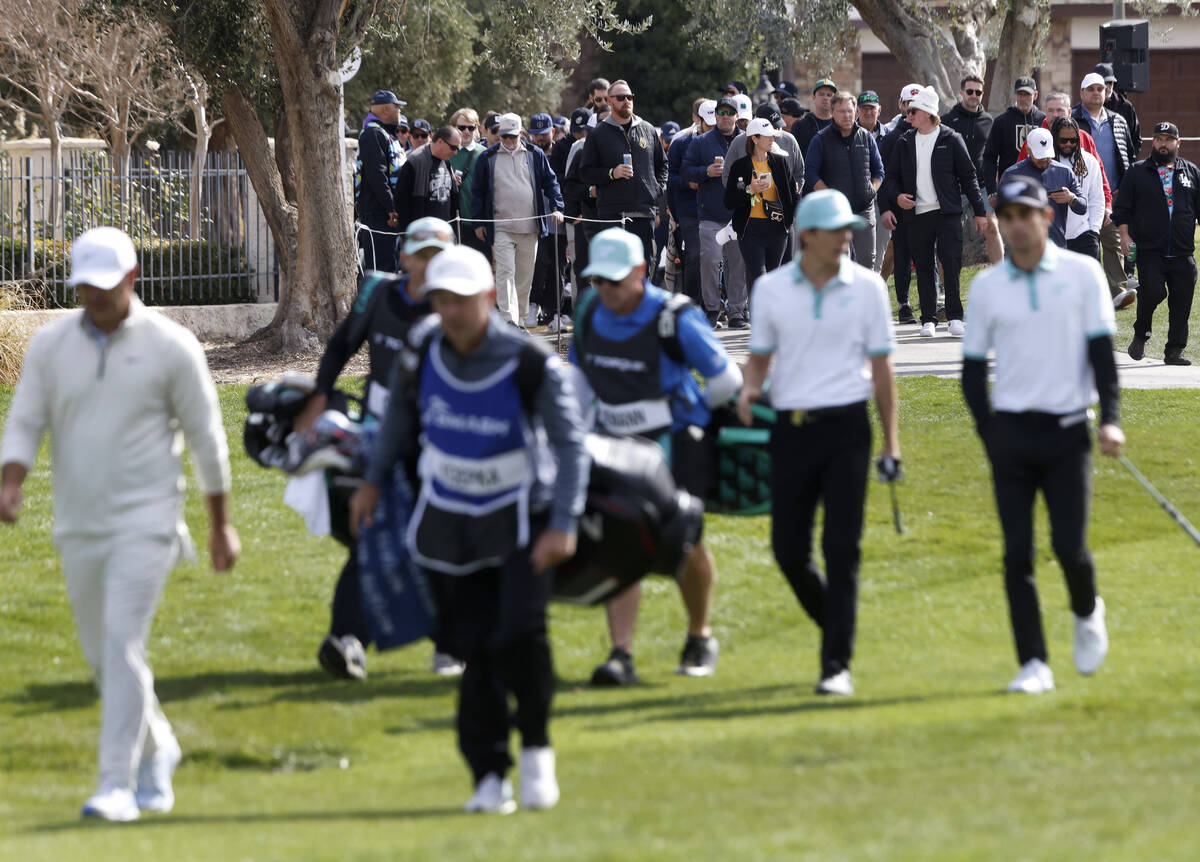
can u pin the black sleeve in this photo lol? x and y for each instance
(735, 197)
(349, 335)
(1104, 367)
(661, 173)
(591, 167)
(404, 194)
(975, 392)
(376, 161)
(968, 177)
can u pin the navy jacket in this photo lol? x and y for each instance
(547, 196)
(848, 167)
(680, 196)
(1053, 179)
(710, 196)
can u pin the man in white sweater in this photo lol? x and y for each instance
(115, 384)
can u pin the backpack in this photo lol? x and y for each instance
(668, 324)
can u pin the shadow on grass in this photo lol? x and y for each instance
(157, 822)
(296, 687)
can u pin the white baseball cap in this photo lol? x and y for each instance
(908, 91)
(926, 100)
(101, 257)
(1041, 145)
(708, 111)
(761, 126)
(508, 124)
(459, 269)
(745, 107)
(1091, 78)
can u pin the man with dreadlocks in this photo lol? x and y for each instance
(1082, 231)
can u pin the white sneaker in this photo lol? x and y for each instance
(1034, 677)
(531, 317)
(112, 803)
(444, 664)
(928, 329)
(493, 795)
(840, 683)
(539, 786)
(154, 790)
(958, 328)
(1091, 640)
(555, 324)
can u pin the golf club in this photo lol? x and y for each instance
(1170, 509)
(897, 518)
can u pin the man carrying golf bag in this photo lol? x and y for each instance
(1047, 314)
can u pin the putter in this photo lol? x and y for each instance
(1175, 514)
(897, 518)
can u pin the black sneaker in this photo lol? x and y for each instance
(699, 656)
(713, 319)
(739, 323)
(343, 657)
(1177, 358)
(1137, 347)
(905, 315)
(618, 670)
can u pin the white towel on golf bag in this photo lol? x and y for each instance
(308, 496)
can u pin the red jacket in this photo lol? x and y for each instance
(1086, 141)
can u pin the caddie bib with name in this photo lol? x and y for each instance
(627, 379)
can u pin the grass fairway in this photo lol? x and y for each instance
(929, 761)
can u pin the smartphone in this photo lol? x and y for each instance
(627, 160)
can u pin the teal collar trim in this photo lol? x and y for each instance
(1048, 263)
(845, 276)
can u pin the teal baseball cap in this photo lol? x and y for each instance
(613, 254)
(428, 232)
(827, 209)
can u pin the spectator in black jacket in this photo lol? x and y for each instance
(929, 172)
(1008, 132)
(970, 120)
(427, 185)
(899, 262)
(624, 159)
(380, 157)
(1156, 207)
(550, 269)
(819, 117)
(1115, 100)
(763, 201)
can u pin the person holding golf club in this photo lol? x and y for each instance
(827, 323)
(1043, 308)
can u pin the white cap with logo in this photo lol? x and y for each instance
(1041, 145)
(708, 111)
(101, 257)
(1089, 79)
(745, 107)
(926, 100)
(459, 270)
(908, 91)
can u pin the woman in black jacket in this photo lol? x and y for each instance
(762, 194)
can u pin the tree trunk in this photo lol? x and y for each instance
(199, 157)
(323, 280)
(1025, 26)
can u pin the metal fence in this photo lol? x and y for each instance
(199, 240)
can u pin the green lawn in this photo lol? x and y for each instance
(930, 760)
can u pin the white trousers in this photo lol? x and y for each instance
(514, 255)
(114, 585)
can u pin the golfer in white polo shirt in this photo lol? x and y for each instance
(115, 384)
(827, 323)
(1047, 314)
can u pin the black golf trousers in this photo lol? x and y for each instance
(1172, 279)
(762, 245)
(1087, 243)
(824, 461)
(1031, 452)
(901, 262)
(498, 627)
(943, 230)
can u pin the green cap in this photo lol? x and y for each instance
(613, 254)
(825, 82)
(827, 209)
(427, 232)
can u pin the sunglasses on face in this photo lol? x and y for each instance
(421, 135)
(973, 92)
(1071, 141)
(509, 137)
(623, 97)
(912, 111)
(599, 281)
(453, 148)
(725, 112)
(466, 128)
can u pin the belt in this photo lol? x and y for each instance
(1062, 420)
(808, 417)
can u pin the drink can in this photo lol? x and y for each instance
(720, 160)
(627, 159)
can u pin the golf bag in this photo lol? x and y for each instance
(743, 463)
(635, 522)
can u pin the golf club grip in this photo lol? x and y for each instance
(1166, 504)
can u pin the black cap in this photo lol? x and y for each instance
(791, 107)
(579, 120)
(737, 85)
(386, 97)
(788, 89)
(423, 125)
(767, 111)
(727, 102)
(868, 97)
(1167, 129)
(1020, 189)
(491, 122)
(1105, 71)
(1025, 83)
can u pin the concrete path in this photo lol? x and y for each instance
(941, 356)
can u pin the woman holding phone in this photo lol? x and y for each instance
(763, 195)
